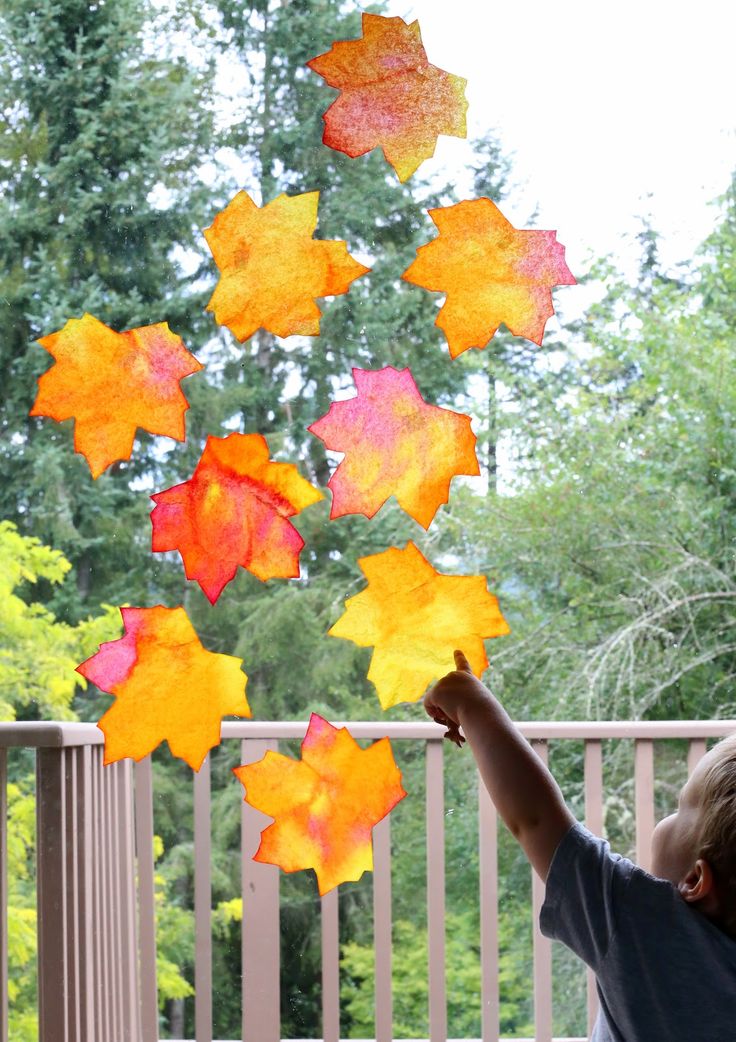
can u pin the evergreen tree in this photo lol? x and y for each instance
(104, 130)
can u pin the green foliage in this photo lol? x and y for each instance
(21, 838)
(174, 936)
(410, 982)
(38, 654)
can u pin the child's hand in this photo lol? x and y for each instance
(445, 701)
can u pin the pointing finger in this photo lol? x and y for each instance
(461, 663)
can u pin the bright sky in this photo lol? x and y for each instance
(610, 110)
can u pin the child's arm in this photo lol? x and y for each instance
(525, 794)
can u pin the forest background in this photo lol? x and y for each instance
(604, 518)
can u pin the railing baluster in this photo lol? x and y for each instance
(488, 843)
(51, 896)
(3, 895)
(131, 1009)
(202, 906)
(146, 900)
(98, 1027)
(594, 820)
(85, 919)
(696, 750)
(118, 995)
(73, 895)
(330, 919)
(382, 929)
(644, 800)
(261, 921)
(542, 948)
(436, 891)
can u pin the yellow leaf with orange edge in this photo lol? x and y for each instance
(491, 273)
(415, 618)
(272, 270)
(390, 95)
(112, 383)
(396, 444)
(166, 687)
(233, 511)
(325, 805)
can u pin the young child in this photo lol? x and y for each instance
(662, 946)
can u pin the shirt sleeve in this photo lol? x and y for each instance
(586, 887)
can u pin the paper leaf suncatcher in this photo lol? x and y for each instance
(415, 617)
(234, 510)
(166, 686)
(112, 383)
(325, 805)
(394, 444)
(491, 273)
(390, 95)
(271, 269)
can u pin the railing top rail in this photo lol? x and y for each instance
(58, 734)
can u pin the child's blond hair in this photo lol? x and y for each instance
(717, 840)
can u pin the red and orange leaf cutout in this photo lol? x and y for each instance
(415, 617)
(491, 273)
(394, 444)
(234, 510)
(325, 805)
(166, 687)
(112, 383)
(271, 269)
(390, 95)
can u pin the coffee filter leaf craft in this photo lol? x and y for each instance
(491, 273)
(414, 617)
(166, 687)
(234, 511)
(394, 444)
(325, 805)
(272, 270)
(390, 95)
(113, 383)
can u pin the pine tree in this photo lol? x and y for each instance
(103, 134)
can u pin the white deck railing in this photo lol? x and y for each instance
(95, 884)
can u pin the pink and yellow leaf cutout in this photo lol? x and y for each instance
(325, 805)
(395, 444)
(167, 687)
(113, 383)
(491, 273)
(390, 95)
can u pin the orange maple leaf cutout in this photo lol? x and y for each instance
(394, 444)
(491, 273)
(415, 617)
(390, 95)
(166, 687)
(112, 383)
(233, 511)
(271, 269)
(324, 805)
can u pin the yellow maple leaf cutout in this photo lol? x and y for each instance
(415, 617)
(272, 269)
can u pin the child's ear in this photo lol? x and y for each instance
(698, 884)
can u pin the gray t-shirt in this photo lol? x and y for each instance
(664, 972)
